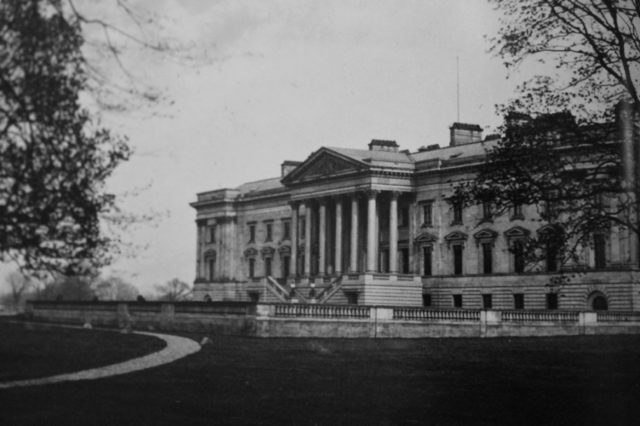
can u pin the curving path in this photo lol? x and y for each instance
(177, 347)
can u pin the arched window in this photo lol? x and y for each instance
(597, 301)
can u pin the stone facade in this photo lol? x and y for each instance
(379, 226)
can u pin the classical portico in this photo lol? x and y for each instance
(345, 214)
(336, 240)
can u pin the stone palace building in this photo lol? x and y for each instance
(379, 226)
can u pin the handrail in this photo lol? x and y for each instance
(299, 295)
(330, 290)
(279, 291)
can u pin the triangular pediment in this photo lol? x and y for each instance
(485, 234)
(551, 229)
(456, 236)
(517, 232)
(426, 237)
(324, 163)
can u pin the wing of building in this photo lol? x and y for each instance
(379, 226)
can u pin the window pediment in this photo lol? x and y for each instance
(284, 250)
(485, 234)
(426, 237)
(267, 251)
(456, 236)
(550, 230)
(517, 232)
(210, 253)
(250, 252)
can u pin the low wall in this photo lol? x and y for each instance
(233, 318)
(341, 321)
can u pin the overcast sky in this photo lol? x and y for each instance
(276, 80)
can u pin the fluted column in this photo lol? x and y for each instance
(354, 235)
(322, 239)
(371, 231)
(338, 238)
(293, 262)
(307, 239)
(393, 233)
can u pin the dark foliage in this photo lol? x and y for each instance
(53, 158)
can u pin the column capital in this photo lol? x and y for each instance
(395, 194)
(322, 201)
(372, 193)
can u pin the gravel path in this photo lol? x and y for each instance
(177, 347)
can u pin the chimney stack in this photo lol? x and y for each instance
(383, 145)
(464, 133)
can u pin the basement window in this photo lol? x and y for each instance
(457, 301)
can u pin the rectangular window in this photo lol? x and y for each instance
(252, 233)
(457, 259)
(487, 258)
(486, 210)
(552, 300)
(518, 301)
(426, 260)
(427, 214)
(403, 217)
(426, 300)
(252, 267)
(212, 267)
(269, 232)
(457, 213)
(518, 257)
(487, 301)
(211, 234)
(285, 266)
(457, 301)
(267, 266)
(599, 247)
(517, 212)
(286, 231)
(404, 254)
(352, 297)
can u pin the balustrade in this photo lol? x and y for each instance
(321, 311)
(608, 316)
(540, 316)
(435, 315)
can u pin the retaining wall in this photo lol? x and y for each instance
(342, 321)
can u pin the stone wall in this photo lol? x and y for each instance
(333, 321)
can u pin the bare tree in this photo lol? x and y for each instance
(115, 288)
(174, 290)
(594, 47)
(581, 173)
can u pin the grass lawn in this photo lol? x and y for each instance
(30, 351)
(577, 380)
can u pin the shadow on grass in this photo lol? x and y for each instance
(31, 350)
(577, 380)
